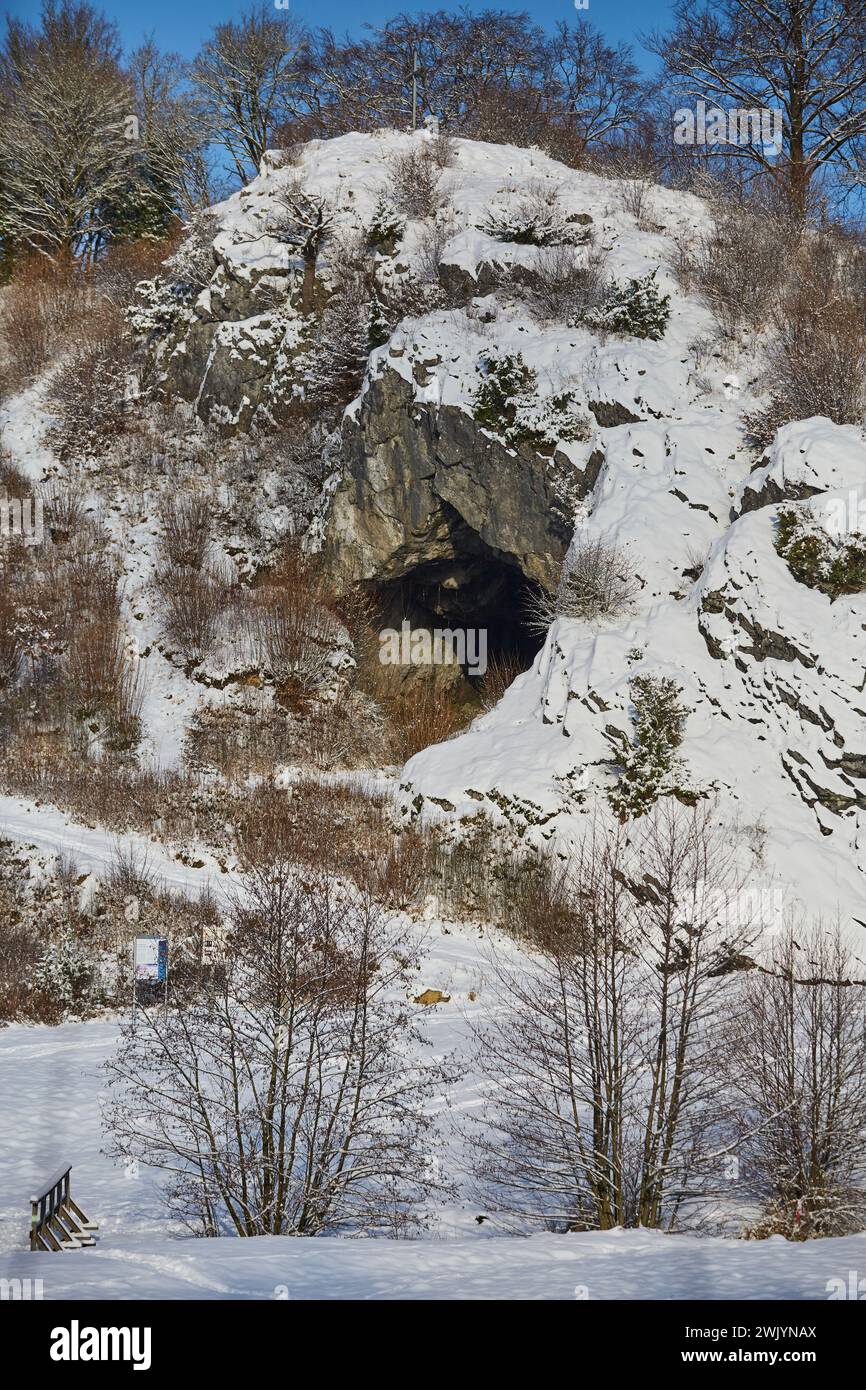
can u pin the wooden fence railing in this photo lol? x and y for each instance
(56, 1222)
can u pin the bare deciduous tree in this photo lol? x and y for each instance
(604, 1060)
(286, 1099)
(806, 58)
(492, 74)
(244, 77)
(598, 88)
(797, 1071)
(64, 155)
(304, 221)
(171, 127)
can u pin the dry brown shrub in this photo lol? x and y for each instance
(8, 645)
(63, 503)
(340, 826)
(89, 396)
(424, 716)
(93, 582)
(126, 264)
(740, 265)
(194, 604)
(415, 181)
(297, 627)
(13, 483)
(817, 352)
(179, 806)
(598, 581)
(42, 309)
(21, 949)
(103, 680)
(502, 671)
(565, 283)
(186, 525)
(340, 731)
(68, 676)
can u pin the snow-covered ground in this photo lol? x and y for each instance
(50, 1083)
(617, 1265)
(50, 1079)
(51, 831)
(51, 1086)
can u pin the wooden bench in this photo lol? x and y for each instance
(56, 1221)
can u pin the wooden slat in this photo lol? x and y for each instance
(86, 1225)
(45, 1233)
(54, 1182)
(71, 1223)
(67, 1242)
(56, 1221)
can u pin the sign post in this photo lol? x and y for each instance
(149, 967)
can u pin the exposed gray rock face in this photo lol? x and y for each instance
(609, 414)
(229, 358)
(771, 492)
(425, 490)
(425, 486)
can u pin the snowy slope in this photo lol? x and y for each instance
(352, 171)
(773, 673)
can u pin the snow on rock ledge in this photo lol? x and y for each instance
(774, 675)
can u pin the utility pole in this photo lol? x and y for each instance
(415, 67)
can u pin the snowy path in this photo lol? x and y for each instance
(23, 420)
(93, 847)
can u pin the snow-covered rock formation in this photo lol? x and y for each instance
(653, 459)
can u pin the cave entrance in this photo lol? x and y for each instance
(479, 589)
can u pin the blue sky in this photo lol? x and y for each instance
(181, 24)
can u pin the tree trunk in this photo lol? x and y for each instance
(309, 290)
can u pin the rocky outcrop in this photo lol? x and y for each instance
(806, 458)
(425, 486)
(770, 493)
(228, 357)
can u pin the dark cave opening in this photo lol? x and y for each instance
(481, 590)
